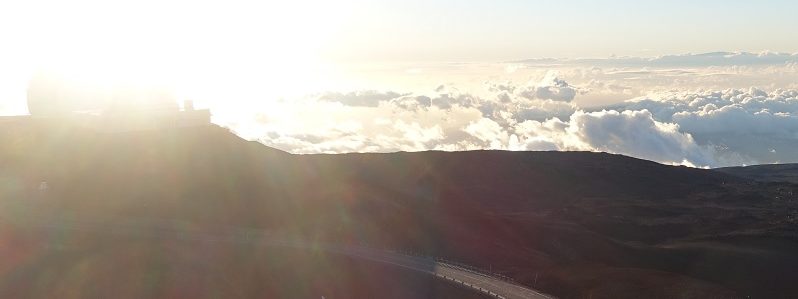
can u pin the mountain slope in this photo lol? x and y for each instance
(573, 224)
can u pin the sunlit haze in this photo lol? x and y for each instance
(489, 74)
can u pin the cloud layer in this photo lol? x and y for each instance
(702, 128)
(681, 61)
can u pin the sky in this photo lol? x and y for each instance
(700, 83)
(507, 30)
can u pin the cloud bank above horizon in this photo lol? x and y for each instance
(694, 109)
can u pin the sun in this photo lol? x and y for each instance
(218, 53)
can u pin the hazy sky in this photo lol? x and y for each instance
(302, 44)
(505, 30)
(409, 30)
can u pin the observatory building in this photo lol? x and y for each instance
(58, 102)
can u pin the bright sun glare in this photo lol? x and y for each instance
(209, 52)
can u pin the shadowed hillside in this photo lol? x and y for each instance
(573, 224)
(765, 172)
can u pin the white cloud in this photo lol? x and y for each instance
(702, 128)
(419, 136)
(739, 122)
(736, 119)
(636, 133)
(489, 132)
(366, 98)
(633, 133)
(550, 88)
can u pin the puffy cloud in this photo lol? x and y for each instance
(637, 134)
(543, 110)
(490, 133)
(450, 99)
(761, 126)
(420, 137)
(312, 125)
(736, 119)
(507, 103)
(412, 102)
(633, 133)
(550, 88)
(366, 98)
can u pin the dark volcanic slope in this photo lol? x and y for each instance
(573, 224)
(766, 172)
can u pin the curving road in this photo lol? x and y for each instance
(484, 283)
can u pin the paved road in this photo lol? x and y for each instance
(484, 283)
(481, 282)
